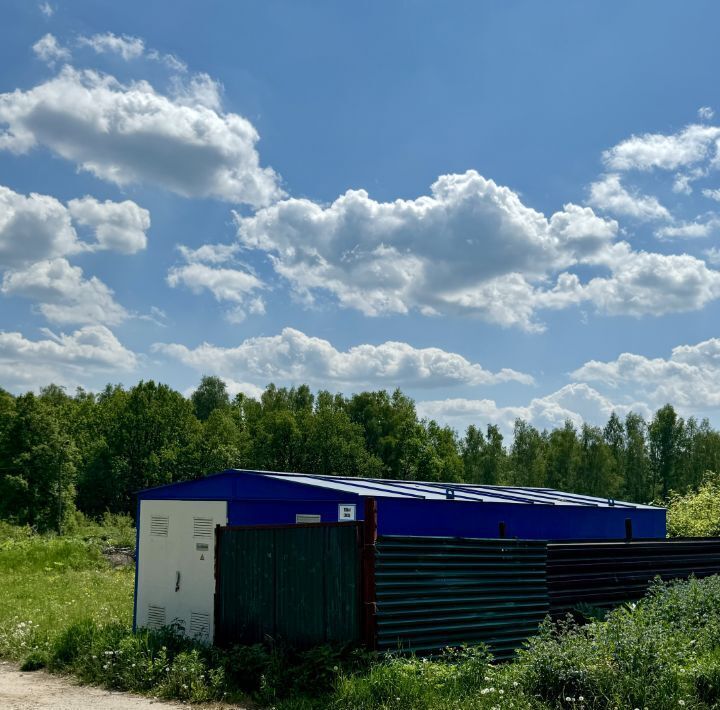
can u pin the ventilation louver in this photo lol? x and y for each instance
(155, 617)
(202, 527)
(199, 624)
(159, 525)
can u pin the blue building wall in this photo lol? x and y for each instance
(254, 499)
(399, 516)
(283, 512)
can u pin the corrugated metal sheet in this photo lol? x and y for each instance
(606, 573)
(436, 592)
(299, 583)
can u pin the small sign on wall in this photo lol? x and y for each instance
(346, 512)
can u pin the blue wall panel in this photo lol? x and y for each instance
(282, 512)
(398, 516)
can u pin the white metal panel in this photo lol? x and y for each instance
(176, 564)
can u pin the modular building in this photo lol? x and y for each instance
(175, 579)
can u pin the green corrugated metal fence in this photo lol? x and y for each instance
(299, 583)
(606, 573)
(435, 592)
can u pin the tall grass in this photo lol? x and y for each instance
(49, 583)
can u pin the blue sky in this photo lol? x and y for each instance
(505, 208)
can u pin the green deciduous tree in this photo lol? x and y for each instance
(210, 395)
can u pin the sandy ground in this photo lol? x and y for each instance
(41, 691)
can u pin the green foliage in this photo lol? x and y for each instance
(697, 513)
(210, 396)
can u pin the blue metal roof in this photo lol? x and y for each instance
(430, 490)
(417, 490)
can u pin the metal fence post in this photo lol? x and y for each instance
(369, 600)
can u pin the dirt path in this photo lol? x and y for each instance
(41, 691)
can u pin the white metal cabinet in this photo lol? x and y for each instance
(176, 564)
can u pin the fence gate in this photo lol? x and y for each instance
(299, 583)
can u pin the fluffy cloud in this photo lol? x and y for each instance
(33, 227)
(119, 226)
(293, 356)
(199, 90)
(647, 283)
(131, 133)
(64, 294)
(63, 359)
(37, 227)
(689, 378)
(108, 43)
(577, 402)
(609, 195)
(470, 246)
(50, 51)
(689, 230)
(47, 9)
(667, 152)
(713, 255)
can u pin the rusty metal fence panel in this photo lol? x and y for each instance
(435, 592)
(299, 583)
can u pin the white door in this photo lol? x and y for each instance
(176, 564)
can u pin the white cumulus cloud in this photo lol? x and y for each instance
(471, 246)
(131, 133)
(119, 226)
(64, 294)
(693, 144)
(36, 227)
(689, 378)
(646, 283)
(689, 230)
(66, 359)
(293, 356)
(577, 402)
(609, 195)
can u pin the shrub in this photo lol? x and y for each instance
(696, 514)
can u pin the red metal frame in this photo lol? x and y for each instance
(369, 600)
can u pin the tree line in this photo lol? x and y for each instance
(87, 452)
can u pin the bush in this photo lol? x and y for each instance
(696, 514)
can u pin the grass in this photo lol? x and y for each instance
(64, 608)
(49, 583)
